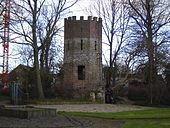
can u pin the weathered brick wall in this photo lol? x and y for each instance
(83, 47)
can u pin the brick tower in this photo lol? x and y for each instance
(83, 52)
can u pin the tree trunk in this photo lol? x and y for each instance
(151, 52)
(35, 47)
(38, 77)
(47, 57)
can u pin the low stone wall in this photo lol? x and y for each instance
(27, 113)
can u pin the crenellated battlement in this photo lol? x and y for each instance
(81, 27)
(89, 18)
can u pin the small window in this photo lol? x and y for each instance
(81, 44)
(81, 72)
(95, 45)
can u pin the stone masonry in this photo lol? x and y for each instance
(83, 52)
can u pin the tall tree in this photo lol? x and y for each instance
(36, 30)
(151, 17)
(115, 24)
(50, 27)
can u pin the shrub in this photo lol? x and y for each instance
(60, 91)
(165, 97)
(137, 93)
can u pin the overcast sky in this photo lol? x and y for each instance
(79, 9)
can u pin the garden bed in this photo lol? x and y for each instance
(27, 113)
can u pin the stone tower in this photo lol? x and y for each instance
(83, 52)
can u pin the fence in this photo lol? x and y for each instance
(17, 95)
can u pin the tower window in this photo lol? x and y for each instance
(81, 44)
(95, 45)
(81, 72)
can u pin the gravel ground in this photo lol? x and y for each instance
(92, 107)
(60, 121)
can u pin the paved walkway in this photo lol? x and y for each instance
(61, 121)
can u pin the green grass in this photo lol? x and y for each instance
(145, 117)
(138, 114)
(147, 124)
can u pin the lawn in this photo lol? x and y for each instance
(138, 114)
(147, 124)
(151, 118)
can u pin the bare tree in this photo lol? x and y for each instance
(151, 17)
(36, 30)
(115, 23)
(25, 55)
(49, 28)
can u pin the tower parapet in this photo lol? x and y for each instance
(90, 28)
(90, 18)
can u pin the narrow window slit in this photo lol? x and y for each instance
(95, 45)
(81, 44)
(68, 45)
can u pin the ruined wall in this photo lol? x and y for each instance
(83, 48)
